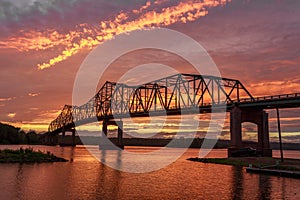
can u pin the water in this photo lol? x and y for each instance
(85, 178)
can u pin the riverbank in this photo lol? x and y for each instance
(258, 162)
(28, 156)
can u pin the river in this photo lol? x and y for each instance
(84, 177)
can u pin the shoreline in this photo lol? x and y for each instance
(265, 165)
(28, 155)
(260, 162)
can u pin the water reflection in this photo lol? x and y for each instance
(237, 183)
(264, 187)
(250, 186)
(19, 181)
(113, 181)
(283, 188)
(69, 152)
(86, 178)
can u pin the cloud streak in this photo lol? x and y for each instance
(87, 37)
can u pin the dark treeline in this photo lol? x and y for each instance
(13, 135)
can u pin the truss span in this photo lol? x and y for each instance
(169, 95)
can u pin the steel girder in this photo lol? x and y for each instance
(172, 93)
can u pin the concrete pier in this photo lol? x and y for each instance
(119, 143)
(255, 116)
(64, 142)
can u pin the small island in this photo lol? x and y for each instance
(28, 155)
(259, 162)
(266, 165)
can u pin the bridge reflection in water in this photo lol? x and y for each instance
(86, 178)
(178, 94)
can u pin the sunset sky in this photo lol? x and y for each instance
(44, 42)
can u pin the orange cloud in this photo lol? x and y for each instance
(11, 115)
(183, 12)
(33, 94)
(87, 37)
(7, 99)
(274, 88)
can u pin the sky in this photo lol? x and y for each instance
(44, 42)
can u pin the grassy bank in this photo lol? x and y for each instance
(27, 156)
(259, 162)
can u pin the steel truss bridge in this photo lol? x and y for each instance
(172, 95)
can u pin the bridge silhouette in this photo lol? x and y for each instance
(175, 95)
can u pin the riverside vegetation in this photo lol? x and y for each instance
(13, 135)
(27, 155)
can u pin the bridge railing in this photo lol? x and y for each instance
(271, 97)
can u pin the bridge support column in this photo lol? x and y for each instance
(120, 134)
(235, 128)
(263, 135)
(73, 138)
(258, 117)
(62, 138)
(47, 140)
(104, 128)
(104, 144)
(51, 140)
(68, 140)
(54, 139)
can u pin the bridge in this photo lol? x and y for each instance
(176, 95)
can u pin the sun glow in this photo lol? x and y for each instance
(11, 115)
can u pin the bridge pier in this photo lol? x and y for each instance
(73, 138)
(263, 136)
(104, 127)
(50, 140)
(235, 129)
(63, 139)
(120, 134)
(256, 116)
(119, 142)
